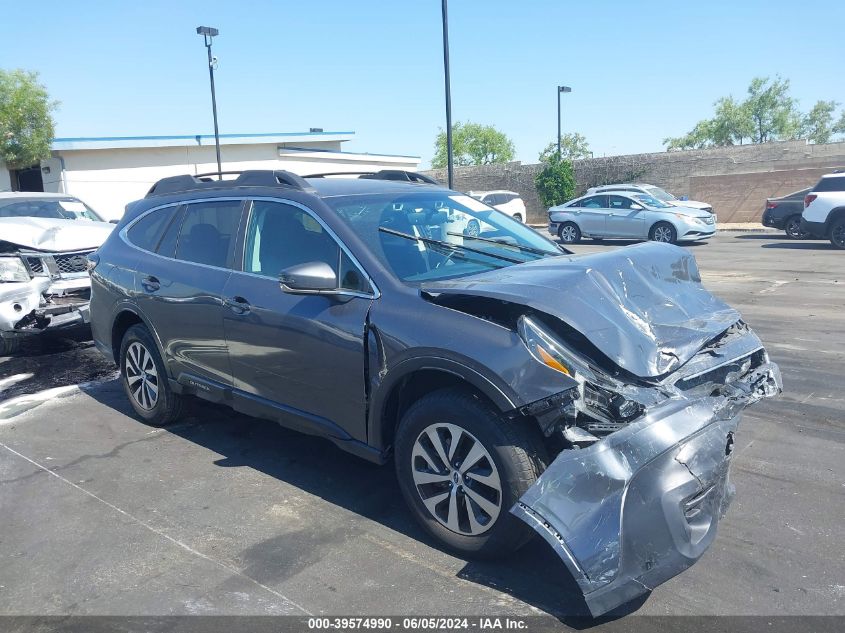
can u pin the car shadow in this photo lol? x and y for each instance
(802, 246)
(318, 467)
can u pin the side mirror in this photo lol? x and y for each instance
(309, 278)
(637, 207)
(114, 221)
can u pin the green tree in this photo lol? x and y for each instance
(572, 147)
(817, 125)
(773, 112)
(473, 144)
(768, 113)
(555, 182)
(26, 122)
(839, 128)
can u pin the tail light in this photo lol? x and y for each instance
(808, 199)
(771, 205)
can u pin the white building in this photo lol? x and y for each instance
(108, 172)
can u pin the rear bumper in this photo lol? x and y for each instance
(816, 229)
(643, 504)
(770, 220)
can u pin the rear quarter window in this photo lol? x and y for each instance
(146, 232)
(833, 183)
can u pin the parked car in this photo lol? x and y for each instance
(507, 202)
(626, 215)
(594, 398)
(655, 192)
(44, 285)
(824, 210)
(785, 213)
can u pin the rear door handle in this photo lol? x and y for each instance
(150, 283)
(238, 305)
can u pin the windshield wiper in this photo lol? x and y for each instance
(522, 247)
(449, 245)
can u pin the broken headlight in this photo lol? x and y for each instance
(602, 400)
(13, 269)
(545, 348)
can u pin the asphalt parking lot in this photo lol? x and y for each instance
(224, 514)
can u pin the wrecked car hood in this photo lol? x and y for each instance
(642, 306)
(53, 234)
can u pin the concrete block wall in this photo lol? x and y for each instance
(735, 180)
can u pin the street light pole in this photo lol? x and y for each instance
(450, 166)
(559, 90)
(208, 34)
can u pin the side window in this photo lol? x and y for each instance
(208, 231)
(595, 202)
(619, 202)
(167, 246)
(147, 231)
(280, 236)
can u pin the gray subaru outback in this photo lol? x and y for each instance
(592, 399)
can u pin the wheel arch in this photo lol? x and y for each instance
(126, 317)
(837, 213)
(413, 379)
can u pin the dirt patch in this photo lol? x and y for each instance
(53, 361)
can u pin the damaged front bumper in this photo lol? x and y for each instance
(640, 506)
(41, 304)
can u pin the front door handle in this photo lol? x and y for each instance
(238, 305)
(150, 283)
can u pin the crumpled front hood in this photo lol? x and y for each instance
(53, 234)
(642, 306)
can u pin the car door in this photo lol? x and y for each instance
(625, 218)
(179, 288)
(590, 215)
(303, 353)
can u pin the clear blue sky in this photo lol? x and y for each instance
(640, 71)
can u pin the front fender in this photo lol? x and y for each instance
(499, 394)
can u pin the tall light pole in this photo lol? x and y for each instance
(208, 33)
(559, 90)
(450, 166)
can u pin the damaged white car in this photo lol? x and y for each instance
(45, 240)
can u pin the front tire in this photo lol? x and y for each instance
(569, 233)
(663, 232)
(837, 233)
(473, 228)
(461, 467)
(144, 379)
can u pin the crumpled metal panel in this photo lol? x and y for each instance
(642, 306)
(17, 299)
(54, 234)
(631, 511)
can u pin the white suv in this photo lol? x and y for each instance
(507, 202)
(654, 191)
(824, 210)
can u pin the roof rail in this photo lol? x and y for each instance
(384, 174)
(248, 178)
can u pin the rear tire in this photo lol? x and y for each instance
(144, 379)
(569, 233)
(517, 217)
(792, 228)
(837, 233)
(663, 232)
(473, 228)
(466, 505)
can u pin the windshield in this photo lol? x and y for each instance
(658, 193)
(61, 209)
(650, 201)
(439, 234)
